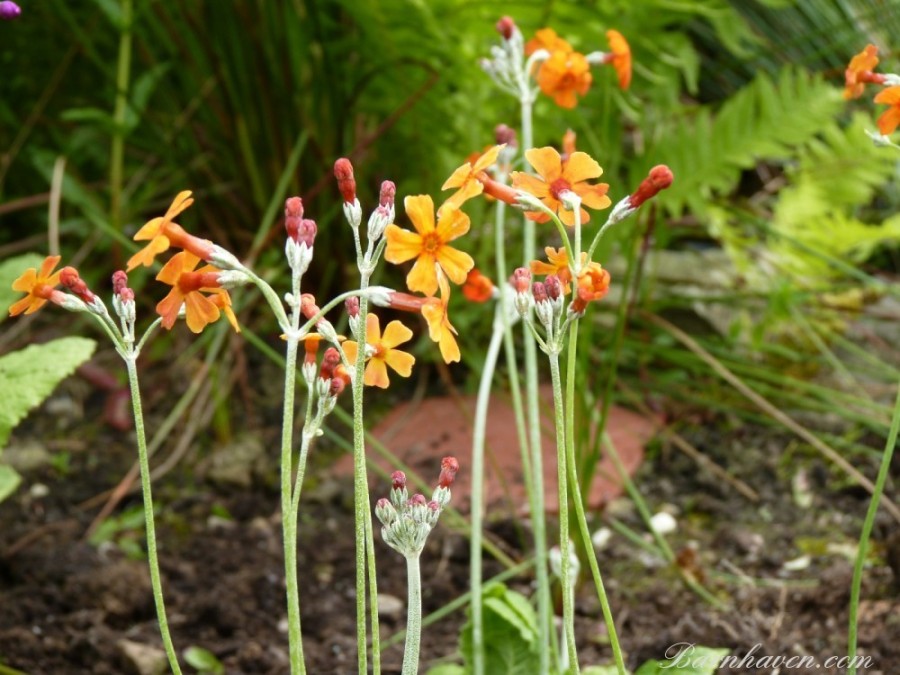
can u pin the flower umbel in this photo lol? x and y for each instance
(557, 176)
(38, 284)
(429, 244)
(198, 291)
(384, 351)
(890, 118)
(859, 72)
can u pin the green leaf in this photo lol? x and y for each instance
(687, 659)
(203, 660)
(9, 481)
(447, 669)
(10, 270)
(510, 633)
(30, 375)
(601, 670)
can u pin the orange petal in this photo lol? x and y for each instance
(26, 281)
(176, 266)
(148, 254)
(565, 98)
(422, 278)
(150, 229)
(350, 350)
(169, 307)
(546, 162)
(376, 374)
(452, 224)
(593, 196)
(458, 177)
(449, 347)
(402, 245)
(488, 158)
(420, 210)
(579, 167)
(530, 184)
(373, 329)
(34, 304)
(49, 264)
(889, 95)
(472, 188)
(400, 362)
(455, 263)
(200, 311)
(395, 333)
(21, 305)
(180, 203)
(889, 120)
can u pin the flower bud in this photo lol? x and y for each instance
(308, 305)
(351, 304)
(337, 386)
(539, 291)
(69, 277)
(449, 467)
(9, 11)
(505, 135)
(521, 280)
(329, 362)
(417, 499)
(506, 27)
(343, 171)
(398, 480)
(387, 194)
(553, 286)
(293, 216)
(306, 232)
(659, 178)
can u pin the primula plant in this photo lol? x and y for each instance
(562, 203)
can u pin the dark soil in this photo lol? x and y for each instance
(66, 605)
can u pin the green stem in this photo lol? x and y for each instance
(578, 500)
(564, 544)
(867, 531)
(152, 558)
(413, 616)
(534, 482)
(117, 153)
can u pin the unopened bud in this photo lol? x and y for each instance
(329, 362)
(337, 386)
(308, 305)
(506, 26)
(553, 286)
(505, 135)
(417, 499)
(388, 194)
(306, 232)
(343, 171)
(449, 467)
(69, 277)
(293, 216)
(351, 304)
(398, 480)
(539, 291)
(521, 280)
(659, 178)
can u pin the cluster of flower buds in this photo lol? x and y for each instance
(383, 215)
(407, 521)
(507, 67)
(301, 235)
(548, 301)
(333, 377)
(123, 303)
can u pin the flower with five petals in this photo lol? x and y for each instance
(859, 72)
(199, 291)
(162, 233)
(558, 264)
(465, 178)
(38, 284)
(384, 351)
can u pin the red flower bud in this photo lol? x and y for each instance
(329, 362)
(68, 277)
(306, 232)
(504, 134)
(351, 304)
(293, 216)
(449, 467)
(521, 280)
(337, 386)
(417, 500)
(506, 26)
(434, 506)
(120, 286)
(308, 305)
(343, 171)
(553, 286)
(398, 480)
(387, 194)
(659, 178)
(538, 291)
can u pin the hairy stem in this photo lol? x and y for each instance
(413, 616)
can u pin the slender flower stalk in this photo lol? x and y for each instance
(869, 522)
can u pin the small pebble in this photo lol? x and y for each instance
(663, 523)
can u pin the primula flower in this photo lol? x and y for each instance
(38, 284)
(859, 71)
(189, 288)
(163, 233)
(563, 75)
(558, 264)
(620, 58)
(592, 284)
(429, 244)
(465, 178)
(557, 176)
(546, 38)
(478, 288)
(385, 353)
(890, 118)
(439, 327)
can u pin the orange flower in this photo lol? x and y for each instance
(38, 284)
(162, 233)
(563, 75)
(385, 353)
(188, 288)
(429, 244)
(546, 38)
(558, 264)
(478, 288)
(557, 176)
(620, 57)
(592, 284)
(890, 118)
(439, 327)
(465, 178)
(859, 71)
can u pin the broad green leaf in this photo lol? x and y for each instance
(9, 481)
(30, 375)
(10, 270)
(687, 659)
(447, 669)
(510, 631)
(203, 660)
